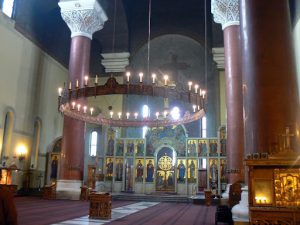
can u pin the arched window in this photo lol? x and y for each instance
(8, 7)
(203, 127)
(146, 113)
(93, 143)
(7, 134)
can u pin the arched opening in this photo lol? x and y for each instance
(35, 144)
(7, 136)
(53, 161)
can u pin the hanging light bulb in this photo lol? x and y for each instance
(92, 109)
(84, 109)
(166, 77)
(96, 80)
(196, 88)
(194, 108)
(128, 76)
(153, 78)
(141, 77)
(86, 78)
(190, 83)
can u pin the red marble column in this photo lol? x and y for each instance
(72, 155)
(234, 104)
(271, 100)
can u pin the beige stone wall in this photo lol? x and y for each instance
(28, 83)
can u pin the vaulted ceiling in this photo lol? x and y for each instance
(42, 23)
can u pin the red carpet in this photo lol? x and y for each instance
(37, 211)
(171, 214)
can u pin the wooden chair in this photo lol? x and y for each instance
(223, 212)
(85, 192)
(208, 197)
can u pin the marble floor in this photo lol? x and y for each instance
(117, 213)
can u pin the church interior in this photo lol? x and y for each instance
(138, 105)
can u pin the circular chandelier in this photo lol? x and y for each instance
(70, 102)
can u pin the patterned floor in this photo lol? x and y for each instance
(117, 213)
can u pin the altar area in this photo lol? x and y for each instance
(165, 161)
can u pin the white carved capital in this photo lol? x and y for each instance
(226, 12)
(83, 17)
(115, 62)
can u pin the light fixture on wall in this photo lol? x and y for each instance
(21, 152)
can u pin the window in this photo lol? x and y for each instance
(7, 134)
(175, 113)
(93, 144)
(8, 7)
(146, 113)
(203, 127)
(203, 163)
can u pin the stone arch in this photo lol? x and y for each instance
(53, 153)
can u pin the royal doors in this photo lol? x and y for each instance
(165, 175)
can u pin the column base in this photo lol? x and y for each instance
(240, 212)
(68, 189)
(240, 223)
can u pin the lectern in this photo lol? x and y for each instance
(100, 205)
